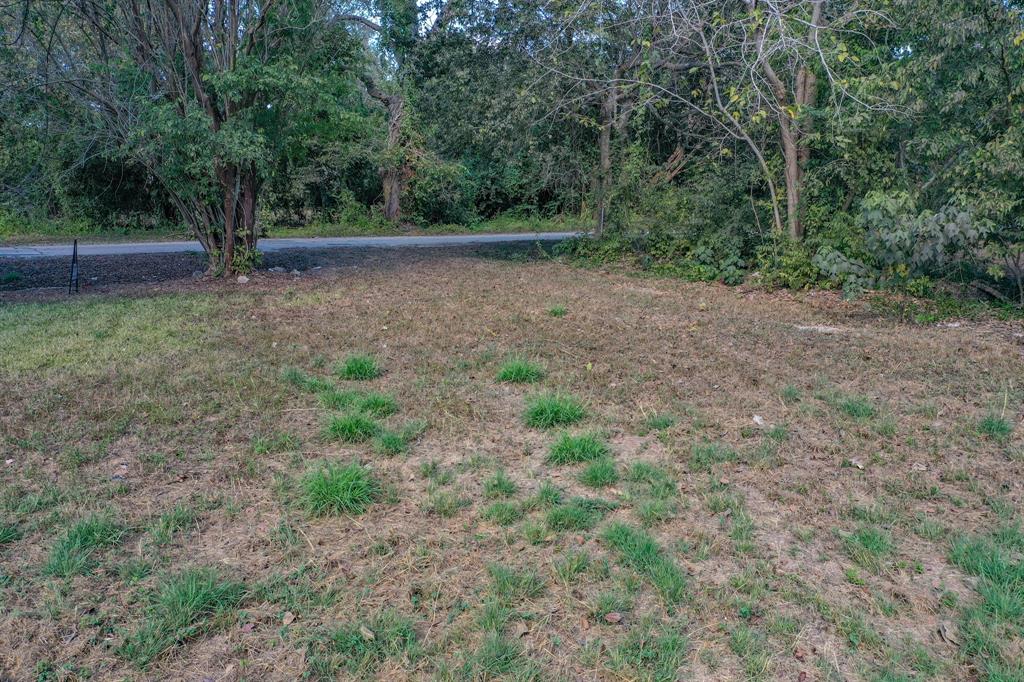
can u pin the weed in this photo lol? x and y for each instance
(557, 311)
(703, 456)
(520, 371)
(335, 399)
(642, 553)
(352, 428)
(357, 368)
(548, 495)
(599, 474)
(185, 606)
(790, 394)
(553, 409)
(499, 485)
(995, 428)
(333, 489)
(569, 449)
(9, 533)
(74, 552)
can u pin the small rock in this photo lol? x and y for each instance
(289, 618)
(242, 279)
(295, 272)
(759, 420)
(367, 633)
(521, 629)
(613, 617)
(276, 268)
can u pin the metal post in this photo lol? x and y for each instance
(73, 282)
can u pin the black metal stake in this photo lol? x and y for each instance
(73, 282)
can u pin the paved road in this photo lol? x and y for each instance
(271, 245)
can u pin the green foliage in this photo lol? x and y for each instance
(600, 474)
(499, 485)
(357, 368)
(553, 409)
(332, 489)
(703, 456)
(74, 553)
(642, 553)
(520, 371)
(362, 648)
(183, 607)
(512, 586)
(354, 427)
(577, 514)
(570, 449)
(995, 427)
(441, 192)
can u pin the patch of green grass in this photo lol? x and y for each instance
(337, 399)
(857, 407)
(184, 607)
(569, 449)
(660, 421)
(548, 495)
(650, 653)
(577, 514)
(74, 553)
(299, 379)
(653, 510)
(272, 443)
(391, 443)
(703, 456)
(377, 404)
(600, 474)
(995, 428)
(790, 394)
(354, 427)
(500, 658)
(499, 485)
(750, 647)
(445, 503)
(333, 489)
(9, 533)
(169, 523)
(362, 648)
(520, 371)
(512, 586)
(571, 566)
(643, 554)
(553, 409)
(868, 546)
(503, 513)
(557, 311)
(357, 368)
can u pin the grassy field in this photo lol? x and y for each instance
(480, 469)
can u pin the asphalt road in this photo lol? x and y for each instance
(283, 244)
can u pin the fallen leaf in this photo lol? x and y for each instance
(759, 420)
(289, 618)
(613, 617)
(948, 633)
(367, 633)
(799, 654)
(521, 629)
(857, 463)
(248, 627)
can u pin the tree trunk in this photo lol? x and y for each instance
(604, 170)
(794, 175)
(394, 172)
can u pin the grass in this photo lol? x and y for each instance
(377, 404)
(183, 607)
(578, 514)
(499, 485)
(520, 371)
(362, 648)
(600, 474)
(553, 409)
(333, 489)
(177, 519)
(353, 427)
(660, 421)
(445, 503)
(512, 586)
(75, 552)
(868, 547)
(651, 653)
(357, 368)
(503, 513)
(557, 311)
(643, 554)
(9, 533)
(704, 456)
(570, 449)
(391, 443)
(299, 379)
(857, 407)
(995, 427)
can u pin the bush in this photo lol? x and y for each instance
(440, 192)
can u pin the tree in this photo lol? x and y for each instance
(199, 94)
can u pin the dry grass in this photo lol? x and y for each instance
(813, 538)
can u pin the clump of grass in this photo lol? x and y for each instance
(790, 394)
(557, 311)
(569, 449)
(660, 421)
(337, 399)
(867, 546)
(391, 443)
(333, 489)
(547, 496)
(706, 455)
(299, 379)
(9, 533)
(520, 371)
(599, 474)
(358, 368)
(184, 607)
(511, 585)
(353, 427)
(499, 485)
(643, 554)
(857, 407)
(577, 514)
(503, 513)
(74, 553)
(553, 409)
(361, 649)
(273, 442)
(445, 503)
(572, 565)
(377, 404)
(169, 523)
(650, 653)
(995, 427)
